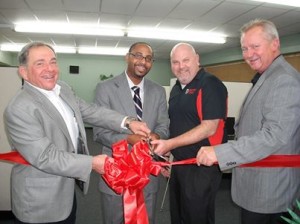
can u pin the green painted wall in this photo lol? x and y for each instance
(90, 68)
(7, 58)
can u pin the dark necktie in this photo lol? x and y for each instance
(255, 78)
(137, 102)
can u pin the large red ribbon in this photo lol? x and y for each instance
(128, 173)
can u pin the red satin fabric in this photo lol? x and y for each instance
(273, 161)
(13, 156)
(276, 161)
(128, 174)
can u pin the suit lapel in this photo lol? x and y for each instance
(48, 108)
(69, 100)
(148, 101)
(267, 74)
(124, 95)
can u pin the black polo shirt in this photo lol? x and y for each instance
(204, 98)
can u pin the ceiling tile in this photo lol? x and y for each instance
(195, 9)
(45, 5)
(90, 18)
(13, 4)
(82, 5)
(156, 8)
(119, 7)
(17, 15)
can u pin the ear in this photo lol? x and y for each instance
(198, 59)
(276, 44)
(23, 72)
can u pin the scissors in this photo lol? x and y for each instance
(155, 156)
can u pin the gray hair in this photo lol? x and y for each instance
(268, 27)
(23, 54)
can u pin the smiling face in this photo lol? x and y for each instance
(41, 69)
(184, 63)
(258, 49)
(138, 62)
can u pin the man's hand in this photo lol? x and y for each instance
(98, 163)
(206, 156)
(133, 138)
(162, 147)
(140, 128)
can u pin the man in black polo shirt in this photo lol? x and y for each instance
(197, 110)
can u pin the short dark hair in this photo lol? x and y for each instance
(140, 43)
(23, 54)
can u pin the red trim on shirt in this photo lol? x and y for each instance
(217, 138)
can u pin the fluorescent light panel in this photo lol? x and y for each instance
(65, 28)
(178, 35)
(18, 47)
(148, 33)
(72, 50)
(294, 3)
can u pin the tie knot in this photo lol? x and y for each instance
(136, 89)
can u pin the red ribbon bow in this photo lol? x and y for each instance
(128, 174)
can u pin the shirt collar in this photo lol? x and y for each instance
(131, 84)
(55, 90)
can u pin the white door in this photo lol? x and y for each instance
(10, 82)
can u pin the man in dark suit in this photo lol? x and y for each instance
(117, 94)
(269, 124)
(44, 123)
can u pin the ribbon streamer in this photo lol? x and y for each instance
(128, 173)
(272, 161)
(288, 161)
(13, 156)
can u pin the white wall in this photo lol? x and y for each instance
(9, 84)
(237, 91)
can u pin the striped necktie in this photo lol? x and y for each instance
(137, 102)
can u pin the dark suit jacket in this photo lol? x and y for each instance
(44, 191)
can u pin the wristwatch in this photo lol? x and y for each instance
(128, 121)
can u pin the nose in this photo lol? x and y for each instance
(50, 66)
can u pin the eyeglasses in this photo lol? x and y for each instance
(140, 57)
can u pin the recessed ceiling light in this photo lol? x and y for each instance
(178, 35)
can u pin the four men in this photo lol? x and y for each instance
(45, 124)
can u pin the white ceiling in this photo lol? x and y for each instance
(225, 16)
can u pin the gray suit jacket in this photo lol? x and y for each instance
(116, 94)
(269, 124)
(44, 191)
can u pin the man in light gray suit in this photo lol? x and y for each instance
(44, 123)
(117, 94)
(269, 124)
